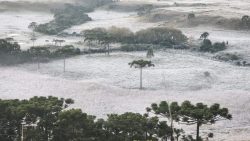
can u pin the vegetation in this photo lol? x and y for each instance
(141, 64)
(64, 18)
(191, 16)
(228, 57)
(10, 53)
(145, 9)
(204, 35)
(150, 53)
(46, 118)
(245, 21)
(159, 36)
(190, 114)
(207, 45)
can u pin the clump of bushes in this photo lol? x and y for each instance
(191, 16)
(234, 58)
(160, 35)
(67, 50)
(155, 36)
(145, 9)
(64, 18)
(243, 63)
(208, 46)
(245, 21)
(8, 46)
(228, 57)
(10, 53)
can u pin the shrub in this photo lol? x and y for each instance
(64, 18)
(228, 57)
(219, 46)
(9, 47)
(191, 16)
(160, 35)
(67, 50)
(207, 46)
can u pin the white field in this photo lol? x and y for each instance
(100, 84)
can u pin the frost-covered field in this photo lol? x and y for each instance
(103, 18)
(15, 25)
(225, 8)
(100, 84)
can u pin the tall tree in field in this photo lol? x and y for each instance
(38, 53)
(150, 53)
(141, 64)
(106, 40)
(33, 27)
(201, 114)
(204, 35)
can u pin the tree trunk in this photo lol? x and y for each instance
(38, 62)
(108, 49)
(64, 63)
(171, 122)
(198, 131)
(140, 78)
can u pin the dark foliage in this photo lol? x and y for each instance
(64, 18)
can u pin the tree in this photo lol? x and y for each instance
(166, 110)
(9, 47)
(191, 16)
(74, 125)
(206, 46)
(204, 35)
(99, 35)
(131, 126)
(245, 20)
(38, 53)
(33, 27)
(150, 53)
(200, 114)
(60, 42)
(189, 114)
(33, 39)
(40, 110)
(141, 64)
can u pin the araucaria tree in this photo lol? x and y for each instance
(141, 64)
(204, 35)
(189, 114)
(150, 53)
(201, 114)
(33, 27)
(169, 111)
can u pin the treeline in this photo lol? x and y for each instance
(10, 53)
(162, 36)
(46, 118)
(64, 18)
